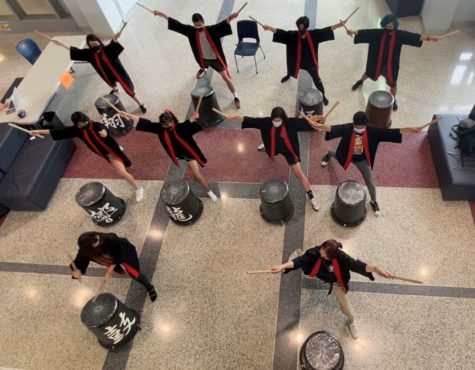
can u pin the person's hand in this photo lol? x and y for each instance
(415, 130)
(350, 32)
(3, 106)
(233, 16)
(383, 273)
(77, 274)
(194, 117)
(34, 133)
(235, 117)
(320, 119)
(108, 276)
(266, 27)
(435, 38)
(103, 133)
(158, 14)
(277, 269)
(341, 24)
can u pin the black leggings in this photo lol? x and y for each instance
(316, 78)
(132, 266)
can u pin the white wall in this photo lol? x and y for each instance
(437, 15)
(465, 11)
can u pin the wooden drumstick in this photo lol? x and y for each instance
(99, 290)
(449, 34)
(242, 7)
(123, 26)
(110, 105)
(24, 130)
(331, 110)
(255, 20)
(346, 28)
(310, 122)
(150, 10)
(410, 280)
(435, 120)
(45, 36)
(221, 113)
(74, 265)
(259, 272)
(351, 15)
(197, 109)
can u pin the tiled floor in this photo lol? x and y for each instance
(210, 314)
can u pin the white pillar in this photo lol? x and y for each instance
(437, 15)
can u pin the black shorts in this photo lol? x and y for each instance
(290, 159)
(185, 157)
(214, 63)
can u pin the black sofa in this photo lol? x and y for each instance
(456, 182)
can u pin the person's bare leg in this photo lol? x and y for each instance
(393, 91)
(195, 170)
(358, 83)
(122, 171)
(297, 170)
(231, 88)
(139, 102)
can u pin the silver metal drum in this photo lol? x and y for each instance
(321, 351)
(349, 207)
(311, 102)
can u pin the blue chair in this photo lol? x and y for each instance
(28, 49)
(247, 30)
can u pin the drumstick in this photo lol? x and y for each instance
(331, 110)
(310, 122)
(402, 278)
(221, 113)
(74, 265)
(346, 28)
(435, 120)
(259, 272)
(45, 36)
(255, 20)
(123, 26)
(449, 34)
(110, 105)
(101, 287)
(151, 11)
(242, 7)
(23, 129)
(351, 15)
(197, 109)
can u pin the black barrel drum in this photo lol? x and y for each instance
(183, 206)
(379, 108)
(111, 321)
(104, 208)
(276, 205)
(311, 102)
(208, 117)
(349, 207)
(321, 351)
(114, 123)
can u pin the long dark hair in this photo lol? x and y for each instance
(331, 248)
(92, 37)
(167, 117)
(279, 112)
(98, 254)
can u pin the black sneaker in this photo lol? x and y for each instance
(395, 107)
(375, 207)
(201, 72)
(356, 85)
(325, 100)
(143, 109)
(325, 160)
(261, 148)
(237, 103)
(284, 79)
(152, 293)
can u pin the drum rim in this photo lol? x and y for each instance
(286, 193)
(378, 106)
(301, 352)
(102, 322)
(162, 192)
(204, 96)
(90, 204)
(303, 94)
(351, 205)
(107, 97)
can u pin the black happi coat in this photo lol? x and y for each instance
(215, 31)
(102, 146)
(291, 40)
(292, 126)
(374, 135)
(384, 50)
(307, 261)
(184, 130)
(115, 72)
(120, 249)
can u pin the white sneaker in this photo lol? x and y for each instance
(213, 196)
(139, 194)
(353, 329)
(315, 204)
(261, 148)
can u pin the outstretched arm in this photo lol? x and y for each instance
(232, 16)
(380, 271)
(194, 117)
(236, 118)
(131, 116)
(59, 43)
(433, 38)
(118, 34)
(351, 33)
(160, 14)
(269, 28)
(280, 268)
(338, 25)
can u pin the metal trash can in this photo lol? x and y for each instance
(276, 205)
(311, 102)
(349, 207)
(321, 350)
(183, 206)
(379, 108)
(111, 321)
(114, 123)
(49, 120)
(104, 208)
(208, 117)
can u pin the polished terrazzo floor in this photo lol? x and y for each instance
(210, 314)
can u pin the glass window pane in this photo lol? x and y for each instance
(5, 9)
(36, 7)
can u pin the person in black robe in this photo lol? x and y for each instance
(330, 264)
(384, 51)
(302, 49)
(98, 140)
(113, 252)
(105, 60)
(177, 140)
(358, 145)
(205, 42)
(279, 134)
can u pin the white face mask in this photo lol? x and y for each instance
(276, 123)
(359, 130)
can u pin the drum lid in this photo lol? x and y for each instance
(274, 191)
(174, 192)
(203, 91)
(381, 99)
(111, 98)
(97, 313)
(351, 192)
(90, 194)
(310, 97)
(322, 351)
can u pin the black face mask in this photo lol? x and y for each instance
(95, 47)
(302, 32)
